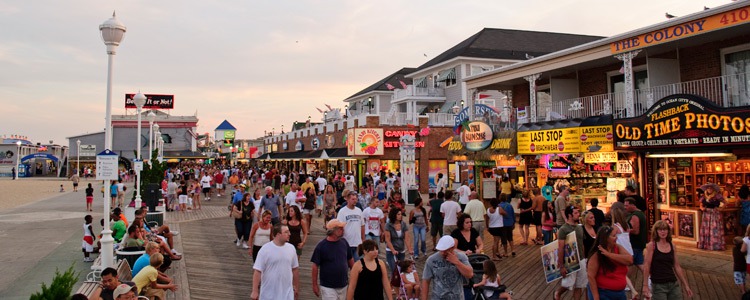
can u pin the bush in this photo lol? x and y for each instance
(61, 287)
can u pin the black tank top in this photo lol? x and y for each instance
(295, 236)
(662, 266)
(369, 283)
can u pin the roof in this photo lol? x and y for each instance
(510, 44)
(392, 79)
(225, 126)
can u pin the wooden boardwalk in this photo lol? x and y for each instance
(214, 268)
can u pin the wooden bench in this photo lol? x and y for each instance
(93, 279)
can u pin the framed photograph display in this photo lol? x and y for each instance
(686, 225)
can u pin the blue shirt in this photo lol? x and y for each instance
(271, 204)
(237, 196)
(141, 263)
(509, 219)
(113, 189)
(547, 192)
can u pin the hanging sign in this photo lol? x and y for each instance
(597, 138)
(624, 167)
(602, 167)
(684, 120)
(106, 165)
(476, 136)
(599, 157)
(563, 140)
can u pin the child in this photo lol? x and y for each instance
(409, 279)
(62, 189)
(491, 279)
(87, 245)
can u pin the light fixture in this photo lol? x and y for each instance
(679, 155)
(462, 103)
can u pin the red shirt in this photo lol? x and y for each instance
(612, 280)
(219, 178)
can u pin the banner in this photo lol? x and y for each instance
(563, 140)
(596, 138)
(365, 141)
(683, 120)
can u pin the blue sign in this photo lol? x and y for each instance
(479, 110)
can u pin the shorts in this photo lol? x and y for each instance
(637, 256)
(495, 231)
(739, 277)
(306, 211)
(332, 293)
(578, 279)
(89, 199)
(436, 228)
(507, 235)
(219, 185)
(206, 190)
(381, 196)
(182, 199)
(538, 218)
(75, 184)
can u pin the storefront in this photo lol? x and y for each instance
(578, 153)
(686, 142)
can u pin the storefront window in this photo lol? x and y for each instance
(736, 66)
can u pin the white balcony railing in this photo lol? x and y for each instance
(412, 91)
(440, 119)
(723, 91)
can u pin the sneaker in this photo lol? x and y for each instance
(416, 257)
(239, 242)
(244, 245)
(175, 252)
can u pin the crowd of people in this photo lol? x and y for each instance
(273, 210)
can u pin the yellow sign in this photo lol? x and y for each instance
(597, 138)
(599, 157)
(563, 140)
(680, 31)
(500, 144)
(455, 146)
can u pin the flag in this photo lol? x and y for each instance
(482, 96)
(329, 107)
(403, 85)
(389, 86)
(622, 70)
(320, 110)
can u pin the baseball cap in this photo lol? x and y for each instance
(445, 243)
(124, 289)
(336, 223)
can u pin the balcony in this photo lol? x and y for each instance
(724, 91)
(418, 92)
(402, 118)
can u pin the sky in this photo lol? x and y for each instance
(257, 64)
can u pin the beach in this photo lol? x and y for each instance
(23, 191)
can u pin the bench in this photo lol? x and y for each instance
(93, 279)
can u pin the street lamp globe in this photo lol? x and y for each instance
(112, 33)
(139, 100)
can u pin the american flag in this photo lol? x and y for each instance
(390, 86)
(402, 84)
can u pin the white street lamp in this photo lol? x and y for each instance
(161, 148)
(152, 141)
(139, 100)
(151, 118)
(112, 33)
(78, 156)
(18, 159)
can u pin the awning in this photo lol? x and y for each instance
(184, 154)
(420, 82)
(335, 153)
(447, 74)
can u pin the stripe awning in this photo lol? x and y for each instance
(420, 82)
(447, 74)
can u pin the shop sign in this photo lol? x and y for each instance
(88, 150)
(599, 157)
(153, 101)
(365, 141)
(396, 144)
(476, 136)
(229, 138)
(398, 134)
(564, 140)
(680, 31)
(602, 167)
(299, 146)
(597, 138)
(684, 120)
(500, 144)
(315, 143)
(455, 146)
(330, 141)
(624, 167)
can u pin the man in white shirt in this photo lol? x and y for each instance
(276, 270)
(349, 183)
(442, 183)
(354, 231)
(389, 183)
(374, 221)
(206, 185)
(463, 194)
(291, 198)
(450, 210)
(475, 209)
(322, 182)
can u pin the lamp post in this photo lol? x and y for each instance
(139, 100)
(18, 159)
(112, 33)
(78, 156)
(369, 103)
(161, 148)
(151, 117)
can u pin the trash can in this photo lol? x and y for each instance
(412, 194)
(155, 216)
(152, 194)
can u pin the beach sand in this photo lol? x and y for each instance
(23, 191)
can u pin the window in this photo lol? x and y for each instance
(617, 82)
(736, 64)
(447, 77)
(544, 104)
(478, 69)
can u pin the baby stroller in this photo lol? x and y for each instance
(477, 264)
(397, 284)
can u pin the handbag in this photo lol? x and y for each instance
(237, 214)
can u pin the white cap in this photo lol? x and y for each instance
(445, 243)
